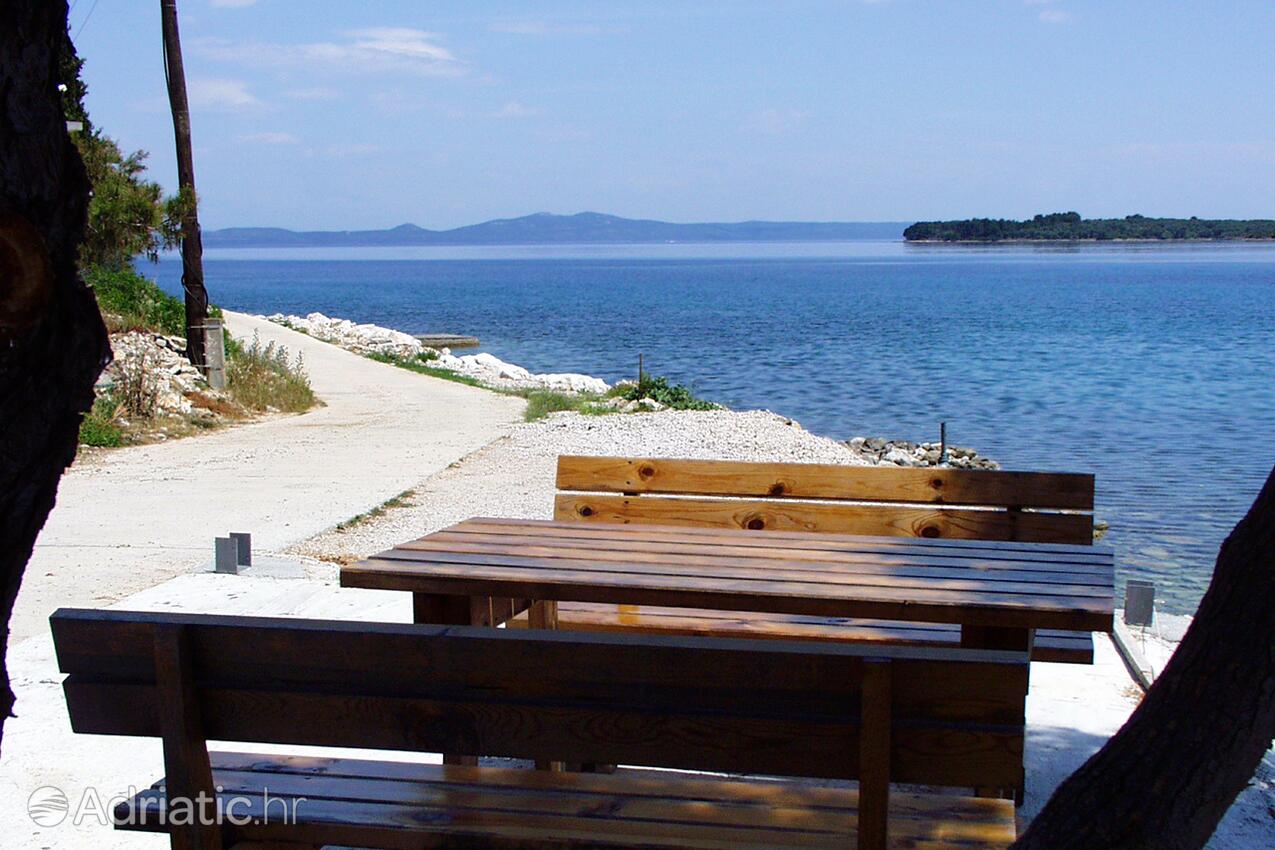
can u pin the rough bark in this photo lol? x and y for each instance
(192, 241)
(1165, 780)
(52, 341)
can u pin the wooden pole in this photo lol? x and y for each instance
(192, 244)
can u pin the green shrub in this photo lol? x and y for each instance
(98, 427)
(263, 377)
(540, 403)
(136, 302)
(657, 388)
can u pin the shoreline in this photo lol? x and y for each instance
(1237, 240)
(378, 342)
(400, 434)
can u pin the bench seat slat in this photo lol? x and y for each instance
(393, 805)
(1050, 645)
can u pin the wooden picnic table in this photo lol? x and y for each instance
(998, 592)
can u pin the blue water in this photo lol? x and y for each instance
(1151, 366)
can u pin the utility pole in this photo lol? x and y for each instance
(192, 244)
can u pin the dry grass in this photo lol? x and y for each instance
(264, 378)
(402, 500)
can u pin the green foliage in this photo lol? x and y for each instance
(540, 403)
(99, 428)
(128, 214)
(658, 388)
(262, 377)
(131, 302)
(1070, 226)
(72, 86)
(135, 302)
(413, 364)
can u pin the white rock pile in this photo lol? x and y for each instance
(487, 368)
(492, 370)
(361, 339)
(157, 367)
(881, 452)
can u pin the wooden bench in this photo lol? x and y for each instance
(835, 711)
(1036, 507)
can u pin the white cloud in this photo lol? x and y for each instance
(775, 122)
(356, 149)
(316, 93)
(514, 109)
(1054, 16)
(270, 138)
(545, 28)
(371, 50)
(222, 94)
(232, 4)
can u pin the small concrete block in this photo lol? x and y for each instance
(1139, 602)
(244, 541)
(226, 551)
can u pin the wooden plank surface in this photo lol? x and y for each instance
(399, 805)
(1060, 490)
(643, 565)
(797, 539)
(657, 538)
(699, 704)
(1056, 646)
(827, 517)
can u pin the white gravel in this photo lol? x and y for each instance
(514, 476)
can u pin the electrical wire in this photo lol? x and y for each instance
(84, 22)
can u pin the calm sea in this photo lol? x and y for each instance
(1151, 366)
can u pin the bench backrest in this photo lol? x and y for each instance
(1037, 507)
(940, 717)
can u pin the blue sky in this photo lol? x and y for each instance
(367, 114)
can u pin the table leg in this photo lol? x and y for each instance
(544, 615)
(442, 610)
(999, 637)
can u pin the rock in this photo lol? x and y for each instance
(879, 451)
(898, 456)
(485, 367)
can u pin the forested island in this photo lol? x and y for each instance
(1070, 226)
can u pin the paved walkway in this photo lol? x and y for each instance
(131, 518)
(138, 520)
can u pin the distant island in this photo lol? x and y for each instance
(549, 229)
(1069, 226)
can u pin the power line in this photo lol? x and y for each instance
(84, 22)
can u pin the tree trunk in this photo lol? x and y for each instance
(52, 341)
(192, 242)
(1165, 780)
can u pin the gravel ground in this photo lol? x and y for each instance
(514, 476)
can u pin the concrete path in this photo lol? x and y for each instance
(133, 520)
(129, 519)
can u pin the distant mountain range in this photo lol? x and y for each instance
(550, 229)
